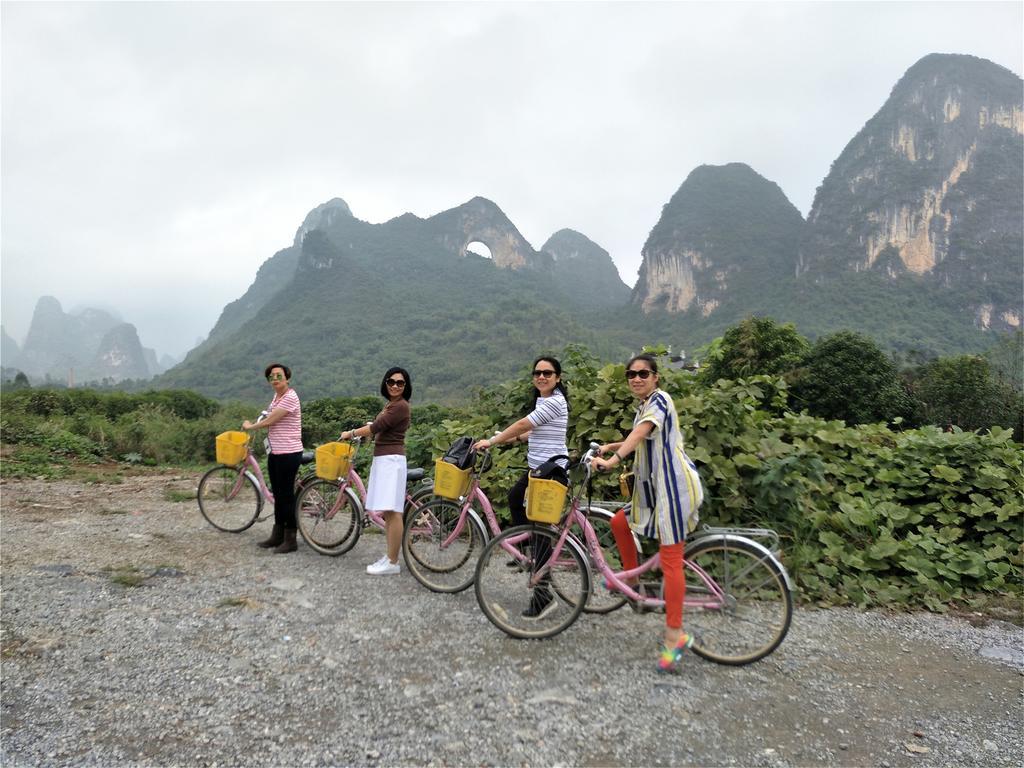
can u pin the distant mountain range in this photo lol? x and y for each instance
(77, 348)
(914, 238)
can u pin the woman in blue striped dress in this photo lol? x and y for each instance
(666, 495)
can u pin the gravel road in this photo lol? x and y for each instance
(227, 655)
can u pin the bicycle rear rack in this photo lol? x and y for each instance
(771, 537)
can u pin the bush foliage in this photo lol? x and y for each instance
(869, 514)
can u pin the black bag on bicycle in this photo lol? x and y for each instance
(460, 453)
(552, 470)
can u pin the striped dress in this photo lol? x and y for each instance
(668, 491)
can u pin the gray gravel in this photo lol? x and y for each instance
(227, 655)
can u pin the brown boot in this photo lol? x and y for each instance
(288, 545)
(276, 537)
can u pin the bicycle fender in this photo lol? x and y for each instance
(723, 538)
(259, 496)
(476, 516)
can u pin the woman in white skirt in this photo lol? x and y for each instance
(385, 492)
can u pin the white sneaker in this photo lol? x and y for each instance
(383, 567)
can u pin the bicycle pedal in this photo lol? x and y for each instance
(640, 607)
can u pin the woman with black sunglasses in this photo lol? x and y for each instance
(544, 431)
(385, 491)
(283, 422)
(666, 495)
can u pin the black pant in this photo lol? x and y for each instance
(282, 468)
(541, 545)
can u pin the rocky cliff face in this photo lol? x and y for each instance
(58, 343)
(584, 271)
(10, 352)
(933, 187)
(725, 229)
(81, 347)
(480, 220)
(275, 273)
(120, 355)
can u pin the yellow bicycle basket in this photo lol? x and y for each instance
(545, 500)
(450, 482)
(333, 460)
(232, 447)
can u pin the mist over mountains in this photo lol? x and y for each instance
(914, 238)
(87, 346)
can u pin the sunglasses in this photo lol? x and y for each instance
(543, 374)
(643, 373)
(275, 377)
(395, 382)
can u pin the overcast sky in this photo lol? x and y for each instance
(154, 155)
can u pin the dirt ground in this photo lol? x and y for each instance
(134, 633)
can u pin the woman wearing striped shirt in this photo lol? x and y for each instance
(666, 495)
(283, 423)
(544, 430)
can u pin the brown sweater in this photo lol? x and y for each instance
(389, 429)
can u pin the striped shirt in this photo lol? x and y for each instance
(550, 420)
(286, 435)
(668, 490)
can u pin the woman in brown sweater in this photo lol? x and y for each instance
(385, 491)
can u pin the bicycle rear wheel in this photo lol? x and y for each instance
(330, 520)
(229, 499)
(742, 612)
(438, 559)
(503, 588)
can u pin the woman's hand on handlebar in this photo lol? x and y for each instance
(482, 445)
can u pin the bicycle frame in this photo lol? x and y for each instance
(616, 580)
(353, 480)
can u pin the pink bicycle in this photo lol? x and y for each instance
(738, 605)
(331, 513)
(231, 495)
(443, 539)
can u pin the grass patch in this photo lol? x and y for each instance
(127, 576)
(34, 462)
(239, 601)
(177, 496)
(105, 511)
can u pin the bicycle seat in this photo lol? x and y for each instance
(308, 457)
(412, 475)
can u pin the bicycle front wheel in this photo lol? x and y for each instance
(509, 599)
(601, 599)
(441, 546)
(229, 499)
(330, 520)
(738, 602)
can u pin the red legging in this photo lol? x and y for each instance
(671, 568)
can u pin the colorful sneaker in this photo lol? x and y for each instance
(669, 657)
(542, 604)
(383, 567)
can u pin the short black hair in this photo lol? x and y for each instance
(649, 359)
(560, 386)
(282, 366)
(406, 393)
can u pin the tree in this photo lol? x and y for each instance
(846, 376)
(756, 346)
(963, 392)
(1006, 357)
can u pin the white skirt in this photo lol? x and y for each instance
(385, 492)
